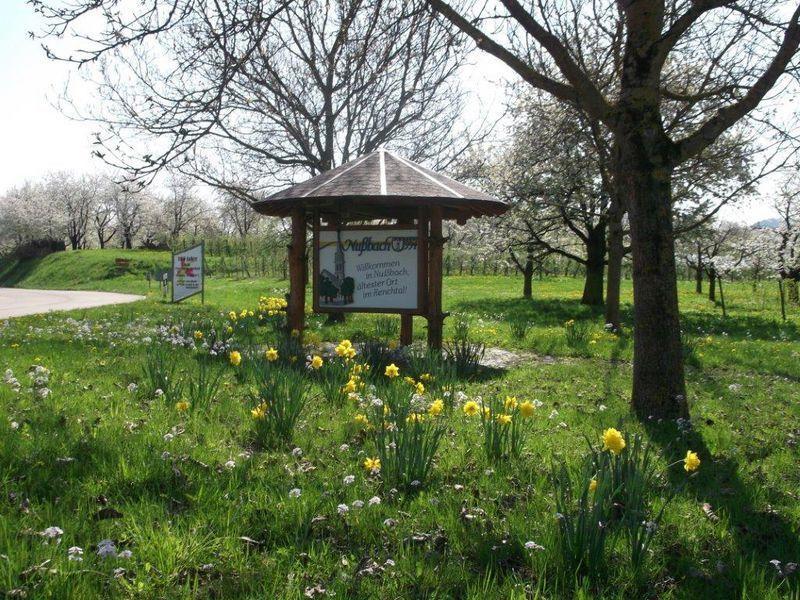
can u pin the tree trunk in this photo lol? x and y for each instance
(616, 251)
(595, 265)
(527, 274)
(698, 276)
(712, 285)
(659, 389)
(792, 292)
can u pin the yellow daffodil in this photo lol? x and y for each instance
(471, 408)
(420, 388)
(362, 420)
(316, 362)
(182, 406)
(504, 419)
(198, 335)
(510, 402)
(350, 386)
(436, 408)
(527, 408)
(271, 354)
(415, 418)
(613, 440)
(372, 465)
(232, 316)
(344, 349)
(259, 412)
(691, 462)
(235, 358)
(392, 371)
(593, 485)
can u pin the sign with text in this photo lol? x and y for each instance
(187, 273)
(367, 270)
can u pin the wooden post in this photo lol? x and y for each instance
(406, 329)
(435, 244)
(297, 272)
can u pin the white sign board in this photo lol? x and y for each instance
(187, 273)
(368, 269)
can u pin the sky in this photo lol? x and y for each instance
(39, 139)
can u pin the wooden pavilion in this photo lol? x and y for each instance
(383, 188)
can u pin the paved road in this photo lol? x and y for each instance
(15, 302)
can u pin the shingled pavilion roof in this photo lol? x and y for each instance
(381, 185)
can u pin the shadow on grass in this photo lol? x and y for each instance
(761, 535)
(548, 312)
(738, 327)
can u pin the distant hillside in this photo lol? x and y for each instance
(84, 269)
(767, 224)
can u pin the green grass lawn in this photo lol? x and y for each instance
(207, 513)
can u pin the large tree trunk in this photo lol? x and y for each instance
(712, 285)
(616, 251)
(659, 390)
(527, 274)
(595, 265)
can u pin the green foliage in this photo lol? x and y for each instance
(203, 385)
(577, 333)
(620, 505)
(160, 372)
(281, 395)
(405, 437)
(378, 354)
(519, 328)
(504, 428)
(387, 327)
(465, 356)
(331, 378)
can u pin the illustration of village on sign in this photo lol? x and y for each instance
(336, 289)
